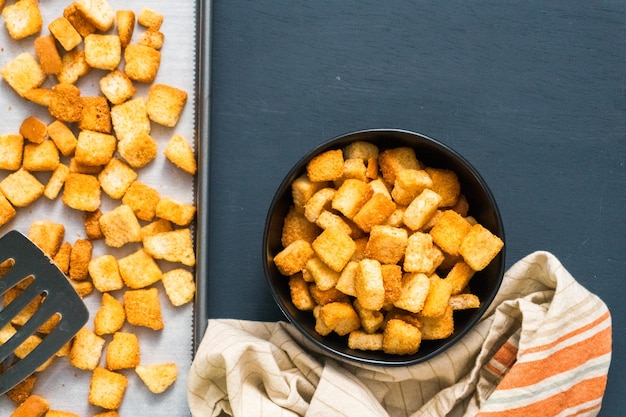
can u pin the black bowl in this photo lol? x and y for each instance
(483, 207)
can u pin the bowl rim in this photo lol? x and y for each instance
(393, 360)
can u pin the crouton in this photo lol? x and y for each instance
(21, 188)
(120, 226)
(300, 294)
(23, 73)
(59, 413)
(158, 378)
(48, 235)
(157, 226)
(22, 390)
(340, 317)
(335, 247)
(392, 161)
(368, 285)
(125, 26)
(449, 230)
(179, 285)
(361, 340)
(34, 130)
(11, 152)
(165, 104)
(130, 119)
(56, 181)
(74, 66)
(351, 196)
(63, 137)
(66, 103)
(446, 184)
(302, 189)
(142, 63)
(152, 38)
(293, 258)
(94, 148)
(33, 406)
(41, 156)
(371, 320)
(103, 51)
(325, 278)
(49, 58)
(62, 257)
(327, 219)
(107, 388)
(360, 150)
(110, 316)
(22, 19)
(435, 328)
(105, 273)
(401, 338)
(438, 297)
(178, 212)
(79, 259)
(327, 166)
(123, 351)
(415, 287)
(63, 31)
(409, 184)
(7, 211)
(421, 209)
(117, 87)
(91, 223)
(374, 212)
(116, 178)
(81, 192)
(143, 308)
(139, 269)
(139, 150)
(321, 200)
(142, 199)
(77, 19)
(387, 244)
(392, 281)
(97, 12)
(297, 227)
(421, 255)
(86, 350)
(479, 247)
(150, 19)
(347, 278)
(179, 151)
(353, 169)
(464, 301)
(79, 168)
(174, 246)
(459, 276)
(96, 115)
(379, 187)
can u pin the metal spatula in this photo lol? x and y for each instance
(58, 298)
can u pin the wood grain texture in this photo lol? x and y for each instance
(533, 94)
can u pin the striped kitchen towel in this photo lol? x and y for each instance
(543, 349)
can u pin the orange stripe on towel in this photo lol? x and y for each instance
(502, 361)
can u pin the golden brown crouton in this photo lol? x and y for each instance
(56, 181)
(78, 20)
(142, 199)
(335, 247)
(361, 340)
(328, 219)
(67, 36)
(23, 73)
(158, 377)
(130, 119)
(152, 38)
(86, 349)
(351, 196)
(449, 231)
(81, 192)
(296, 227)
(174, 246)
(392, 161)
(22, 19)
(23, 390)
(421, 209)
(178, 212)
(105, 273)
(401, 338)
(339, 317)
(94, 148)
(91, 222)
(302, 189)
(74, 66)
(7, 211)
(321, 200)
(63, 137)
(97, 12)
(139, 150)
(96, 115)
(66, 103)
(179, 151)
(179, 285)
(62, 257)
(49, 58)
(421, 255)
(116, 178)
(157, 226)
(11, 151)
(369, 286)
(117, 87)
(387, 244)
(438, 297)
(107, 388)
(325, 278)
(103, 51)
(464, 301)
(353, 168)
(143, 308)
(34, 130)
(327, 166)
(371, 320)
(479, 247)
(150, 19)
(165, 104)
(48, 235)
(41, 156)
(33, 406)
(293, 258)
(110, 316)
(435, 328)
(125, 26)
(347, 278)
(21, 188)
(123, 351)
(120, 226)
(139, 269)
(59, 413)
(446, 184)
(360, 150)
(300, 294)
(415, 287)
(80, 258)
(459, 276)
(142, 63)
(409, 184)
(374, 212)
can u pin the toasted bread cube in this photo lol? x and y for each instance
(74, 66)
(103, 51)
(34, 130)
(65, 33)
(409, 184)
(415, 287)
(387, 244)
(435, 328)
(165, 104)
(116, 178)
(321, 200)
(22, 19)
(7, 211)
(320, 327)
(117, 87)
(56, 181)
(91, 222)
(97, 12)
(347, 278)
(107, 388)
(125, 26)
(120, 226)
(459, 276)
(392, 161)
(41, 96)
(446, 184)
(479, 247)
(340, 317)
(150, 19)
(86, 349)
(66, 103)
(461, 206)
(300, 294)
(48, 235)
(371, 320)
(302, 189)
(41, 157)
(49, 58)
(110, 316)
(421, 209)
(354, 169)
(142, 63)
(123, 351)
(94, 148)
(152, 38)
(438, 297)
(464, 301)
(327, 166)
(360, 150)
(401, 338)
(78, 20)
(351, 196)
(325, 278)
(361, 340)
(62, 257)
(80, 258)
(139, 270)
(21, 188)
(11, 152)
(421, 255)
(374, 212)
(179, 285)
(81, 192)
(157, 226)
(23, 73)
(63, 137)
(27, 312)
(178, 212)
(368, 285)
(33, 406)
(159, 377)
(142, 199)
(335, 247)
(179, 151)
(139, 150)
(23, 390)
(174, 246)
(297, 227)
(449, 231)
(59, 413)
(79, 168)
(96, 115)
(379, 187)
(392, 281)
(322, 297)
(130, 119)
(293, 258)
(110, 413)
(105, 274)
(327, 219)
(143, 308)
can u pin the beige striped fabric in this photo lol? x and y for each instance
(543, 348)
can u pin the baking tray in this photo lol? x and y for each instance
(185, 64)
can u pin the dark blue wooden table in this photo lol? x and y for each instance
(532, 93)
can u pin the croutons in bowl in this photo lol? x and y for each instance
(383, 247)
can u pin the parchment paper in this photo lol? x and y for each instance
(65, 387)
